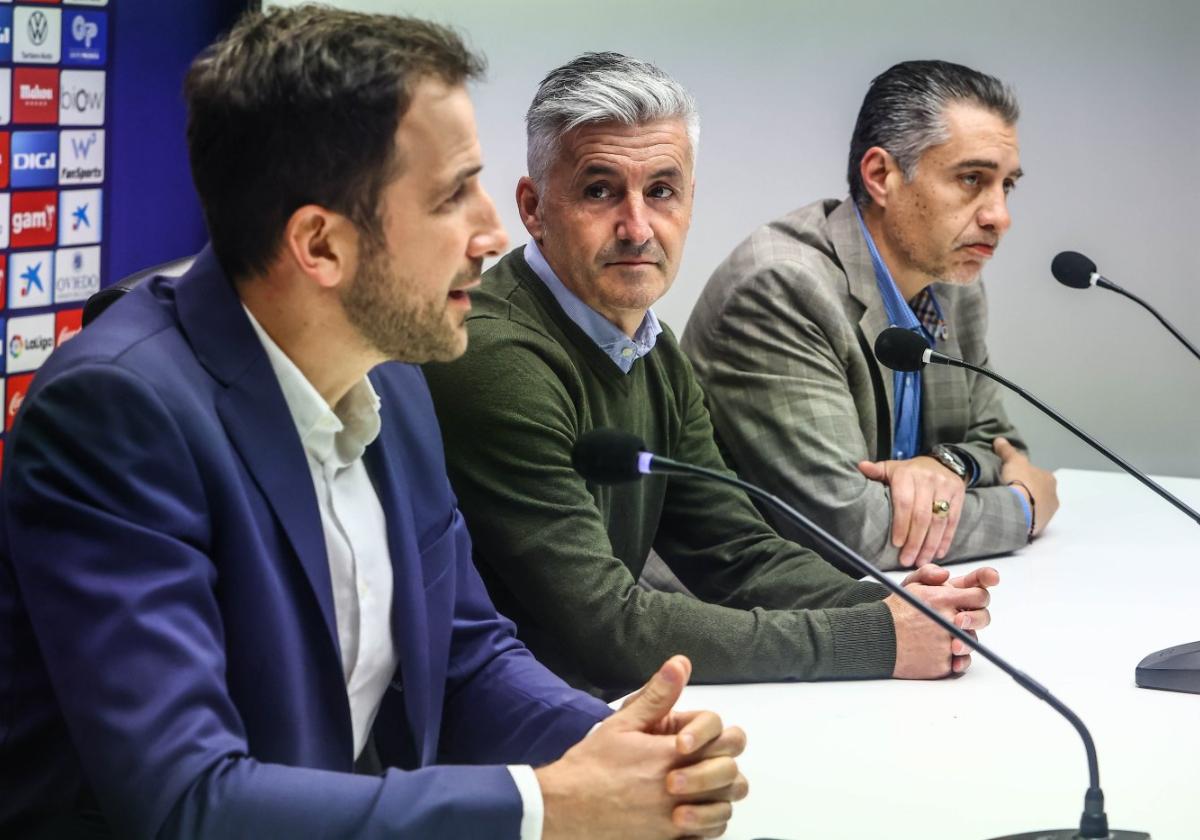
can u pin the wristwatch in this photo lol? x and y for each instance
(949, 458)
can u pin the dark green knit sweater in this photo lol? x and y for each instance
(561, 557)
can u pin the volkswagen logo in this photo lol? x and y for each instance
(38, 28)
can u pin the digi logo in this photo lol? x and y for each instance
(34, 219)
(35, 95)
(34, 158)
(32, 279)
(37, 35)
(80, 217)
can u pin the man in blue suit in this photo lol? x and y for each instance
(236, 592)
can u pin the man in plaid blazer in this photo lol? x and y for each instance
(905, 468)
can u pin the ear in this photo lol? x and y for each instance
(529, 206)
(880, 174)
(322, 244)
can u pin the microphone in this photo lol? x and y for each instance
(904, 350)
(609, 456)
(1172, 669)
(1075, 270)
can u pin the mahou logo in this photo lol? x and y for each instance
(35, 95)
(34, 218)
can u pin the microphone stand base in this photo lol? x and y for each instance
(1072, 834)
(1171, 669)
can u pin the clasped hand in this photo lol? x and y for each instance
(647, 771)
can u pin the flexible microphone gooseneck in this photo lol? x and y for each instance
(904, 350)
(1075, 270)
(1175, 668)
(608, 456)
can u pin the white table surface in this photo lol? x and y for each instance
(1115, 577)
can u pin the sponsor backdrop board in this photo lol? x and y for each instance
(54, 75)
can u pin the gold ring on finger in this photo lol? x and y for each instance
(941, 508)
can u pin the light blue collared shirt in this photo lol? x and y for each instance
(906, 437)
(622, 349)
(906, 384)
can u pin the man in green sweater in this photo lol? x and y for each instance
(562, 340)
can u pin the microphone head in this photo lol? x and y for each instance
(1073, 269)
(607, 456)
(900, 349)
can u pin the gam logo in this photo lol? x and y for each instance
(34, 220)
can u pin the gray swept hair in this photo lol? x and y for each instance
(602, 87)
(904, 112)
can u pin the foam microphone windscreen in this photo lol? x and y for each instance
(1073, 269)
(607, 456)
(900, 349)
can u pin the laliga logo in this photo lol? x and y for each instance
(83, 30)
(18, 345)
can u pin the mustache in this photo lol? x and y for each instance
(619, 251)
(468, 275)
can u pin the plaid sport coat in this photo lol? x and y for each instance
(781, 339)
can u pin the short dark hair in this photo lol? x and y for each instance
(904, 113)
(300, 106)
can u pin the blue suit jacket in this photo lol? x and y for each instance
(168, 646)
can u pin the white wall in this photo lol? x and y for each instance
(1109, 135)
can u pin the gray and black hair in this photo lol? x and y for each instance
(904, 113)
(602, 87)
(300, 106)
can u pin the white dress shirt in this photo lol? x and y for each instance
(360, 565)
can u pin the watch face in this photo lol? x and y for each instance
(951, 459)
